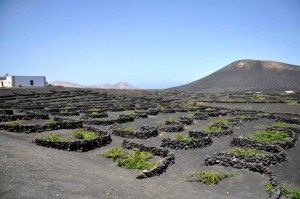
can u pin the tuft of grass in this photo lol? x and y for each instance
(249, 152)
(55, 138)
(14, 123)
(137, 160)
(93, 110)
(95, 113)
(282, 124)
(209, 177)
(223, 121)
(182, 137)
(51, 121)
(269, 136)
(127, 129)
(287, 192)
(84, 134)
(212, 128)
(268, 187)
(115, 153)
(161, 108)
(171, 121)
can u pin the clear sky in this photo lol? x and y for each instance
(149, 44)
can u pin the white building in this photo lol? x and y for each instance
(9, 81)
(289, 92)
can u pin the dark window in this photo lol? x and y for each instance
(31, 82)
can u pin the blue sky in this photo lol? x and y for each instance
(149, 44)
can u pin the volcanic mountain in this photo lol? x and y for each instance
(248, 75)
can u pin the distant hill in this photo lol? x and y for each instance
(67, 84)
(120, 85)
(248, 75)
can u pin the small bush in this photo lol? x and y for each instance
(127, 129)
(14, 123)
(244, 152)
(95, 113)
(223, 122)
(269, 136)
(287, 192)
(93, 110)
(115, 153)
(137, 160)
(171, 121)
(131, 113)
(84, 134)
(213, 128)
(55, 138)
(182, 137)
(290, 193)
(51, 121)
(282, 124)
(268, 187)
(209, 177)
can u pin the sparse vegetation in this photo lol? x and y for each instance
(212, 128)
(51, 121)
(269, 136)
(127, 129)
(223, 121)
(55, 138)
(182, 137)
(268, 187)
(93, 110)
(287, 192)
(249, 152)
(84, 134)
(171, 121)
(14, 123)
(282, 124)
(209, 177)
(135, 159)
(115, 153)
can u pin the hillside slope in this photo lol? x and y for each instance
(248, 75)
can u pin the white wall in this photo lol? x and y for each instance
(25, 81)
(7, 82)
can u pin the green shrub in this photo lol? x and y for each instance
(137, 160)
(14, 123)
(131, 113)
(223, 121)
(269, 136)
(115, 153)
(94, 113)
(290, 193)
(51, 121)
(171, 121)
(209, 177)
(127, 129)
(282, 124)
(84, 134)
(93, 110)
(182, 137)
(55, 138)
(213, 128)
(287, 192)
(244, 151)
(268, 187)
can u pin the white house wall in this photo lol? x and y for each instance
(7, 82)
(25, 80)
